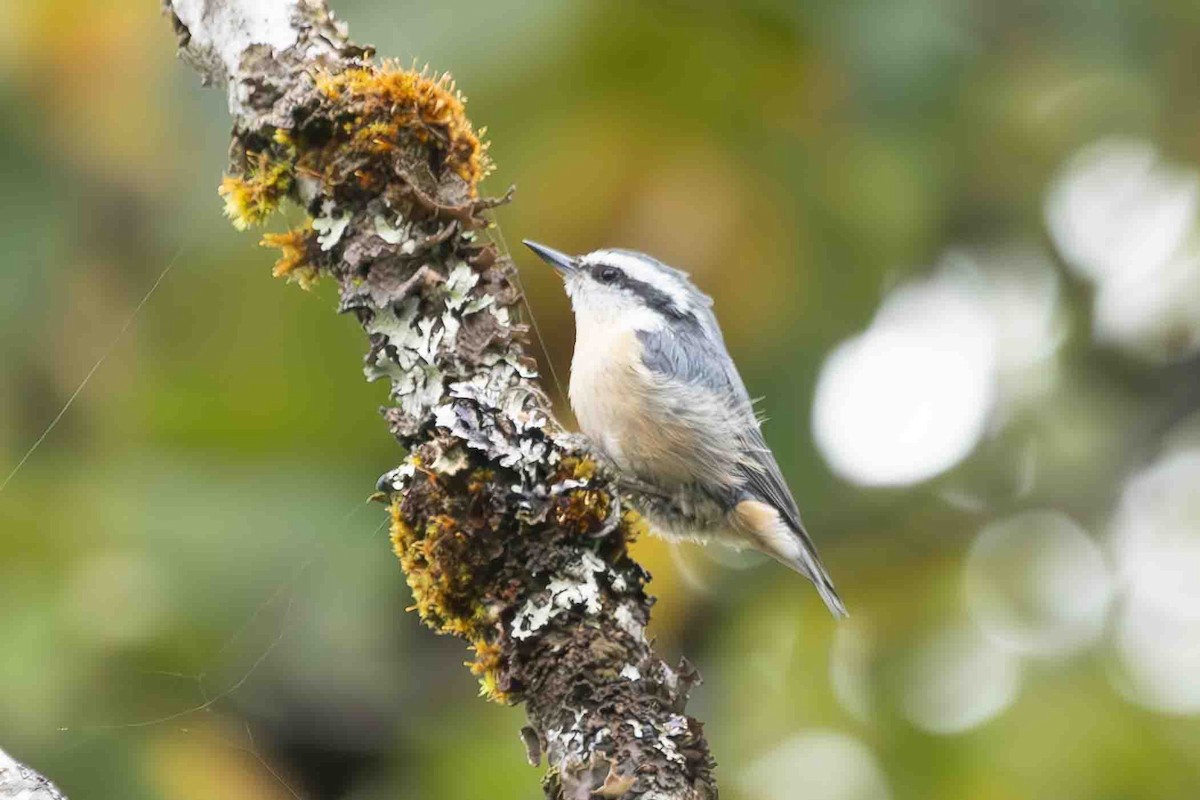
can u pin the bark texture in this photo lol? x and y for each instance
(510, 535)
(19, 782)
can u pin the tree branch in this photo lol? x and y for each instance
(511, 537)
(19, 782)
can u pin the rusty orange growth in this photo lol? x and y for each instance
(377, 112)
(394, 102)
(444, 586)
(293, 262)
(252, 197)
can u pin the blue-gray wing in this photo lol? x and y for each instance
(690, 354)
(695, 354)
(687, 352)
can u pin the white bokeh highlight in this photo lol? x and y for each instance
(944, 360)
(957, 680)
(1159, 656)
(1037, 584)
(1125, 219)
(1022, 291)
(1156, 543)
(1156, 535)
(910, 397)
(816, 765)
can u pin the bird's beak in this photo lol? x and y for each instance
(562, 262)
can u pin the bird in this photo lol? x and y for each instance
(658, 396)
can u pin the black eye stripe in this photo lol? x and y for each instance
(654, 297)
(682, 302)
(605, 273)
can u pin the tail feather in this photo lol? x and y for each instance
(809, 565)
(764, 527)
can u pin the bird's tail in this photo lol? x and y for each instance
(809, 565)
(766, 530)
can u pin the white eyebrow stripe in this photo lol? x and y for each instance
(641, 270)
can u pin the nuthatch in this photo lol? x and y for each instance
(656, 392)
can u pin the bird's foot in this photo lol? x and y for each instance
(612, 520)
(631, 485)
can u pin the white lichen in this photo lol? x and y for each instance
(418, 389)
(628, 622)
(20, 782)
(450, 325)
(675, 725)
(478, 303)
(458, 286)
(219, 34)
(391, 233)
(330, 229)
(444, 417)
(563, 742)
(418, 383)
(575, 587)
(397, 326)
(430, 333)
(450, 462)
(502, 423)
(670, 750)
(501, 314)
(399, 478)
(630, 672)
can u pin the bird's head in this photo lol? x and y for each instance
(627, 286)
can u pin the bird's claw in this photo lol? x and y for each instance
(635, 486)
(612, 520)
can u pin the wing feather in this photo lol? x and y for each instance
(695, 354)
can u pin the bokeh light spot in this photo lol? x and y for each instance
(910, 397)
(958, 680)
(1126, 220)
(1038, 584)
(817, 765)
(1159, 656)
(1156, 535)
(1156, 541)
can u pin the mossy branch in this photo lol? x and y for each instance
(22, 783)
(509, 536)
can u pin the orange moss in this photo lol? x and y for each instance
(577, 468)
(487, 665)
(583, 510)
(394, 101)
(293, 261)
(440, 574)
(251, 198)
(441, 582)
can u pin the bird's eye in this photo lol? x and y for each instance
(607, 274)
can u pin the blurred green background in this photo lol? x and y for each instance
(953, 244)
